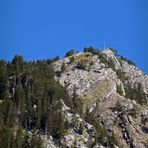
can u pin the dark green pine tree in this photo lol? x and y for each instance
(7, 138)
(17, 64)
(9, 111)
(20, 98)
(19, 138)
(62, 126)
(39, 114)
(4, 89)
(26, 140)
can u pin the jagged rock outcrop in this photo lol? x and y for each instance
(95, 84)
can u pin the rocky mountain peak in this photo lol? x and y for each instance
(85, 69)
(112, 88)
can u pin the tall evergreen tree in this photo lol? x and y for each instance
(19, 138)
(17, 63)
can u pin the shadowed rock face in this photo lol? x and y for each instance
(96, 86)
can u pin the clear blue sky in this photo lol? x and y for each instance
(40, 29)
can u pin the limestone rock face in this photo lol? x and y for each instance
(96, 85)
(79, 81)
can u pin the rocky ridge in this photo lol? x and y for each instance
(96, 85)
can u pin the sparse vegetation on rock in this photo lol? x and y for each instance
(119, 89)
(135, 93)
(81, 65)
(118, 107)
(63, 67)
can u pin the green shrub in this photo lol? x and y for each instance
(70, 53)
(50, 61)
(63, 67)
(119, 89)
(120, 61)
(135, 93)
(131, 62)
(128, 61)
(103, 58)
(72, 59)
(133, 112)
(121, 75)
(90, 49)
(118, 107)
(110, 64)
(114, 51)
(81, 65)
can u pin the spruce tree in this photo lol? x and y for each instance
(19, 138)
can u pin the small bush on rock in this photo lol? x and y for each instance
(119, 89)
(70, 53)
(81, 65)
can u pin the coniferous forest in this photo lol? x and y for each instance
(27, 90)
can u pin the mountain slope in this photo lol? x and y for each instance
(88, 99)
(110, 88)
